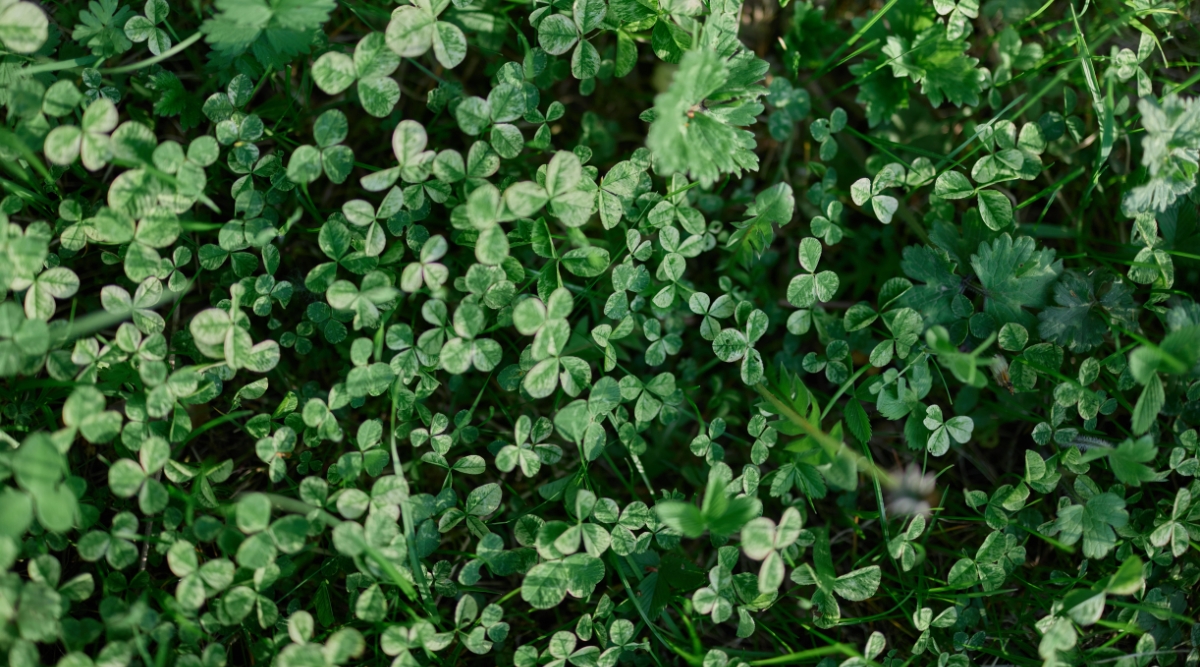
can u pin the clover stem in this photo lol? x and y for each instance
(793, 658)
(82, 61)
(827, 442)
(406, 514)
(123, 69)
(691, 659)
(637, 463)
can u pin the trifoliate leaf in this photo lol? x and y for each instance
(1129, 459)
(1093, 521)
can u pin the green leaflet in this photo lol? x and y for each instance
(470, 331)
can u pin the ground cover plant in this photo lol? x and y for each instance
(574, 332)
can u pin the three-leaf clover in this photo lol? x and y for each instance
(762, 540)
(266, 538)
(557, 33)
(365, 217)
(373, 458)
(23, 342)
(1126, 63)
(789, 105)
(489, 285)
(197, 582)
(732, 345)
(226, 110)
(414, 28)
(547, 323)
(924, 619)
(91, 143)
(725, 589)
(337, 241)
(54, 283)
(807, 289)
(115, 546)
(127, 478)
(866, 190)
(117, 301)
(570, 197)
(483, 501)
(528, 449)
(581, 421)
(715, 599)
(649, 395)
(906, 326)
(619, 187)
(505, 103)
(901, 547)
(959, 14)
(711, 312)
(562, 652)
(329, 155)
(409, 140)
(837, 352)
(959, 428)
(427, 270)
(220, 336)
(661, 345)
(1180, 527)
(823, 129)
(485, 210)
(464, 350)
(371, 66)
(272, 450)
(490, 628)
(364, 300)
(84, 410)
(145, 28)
(825, 226)
(39, 468)
(547, 583)
(855, 586)
(594, 537)
(421, 636)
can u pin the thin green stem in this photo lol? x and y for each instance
(831, 446)
(178, 48)
(807, 655)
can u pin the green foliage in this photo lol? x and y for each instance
(276, 30)
(597, 333)
(703, 140)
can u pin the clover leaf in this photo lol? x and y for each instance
(370, 67)
(941, 432)
(871, 190)
(733, 345)
(414, 28)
